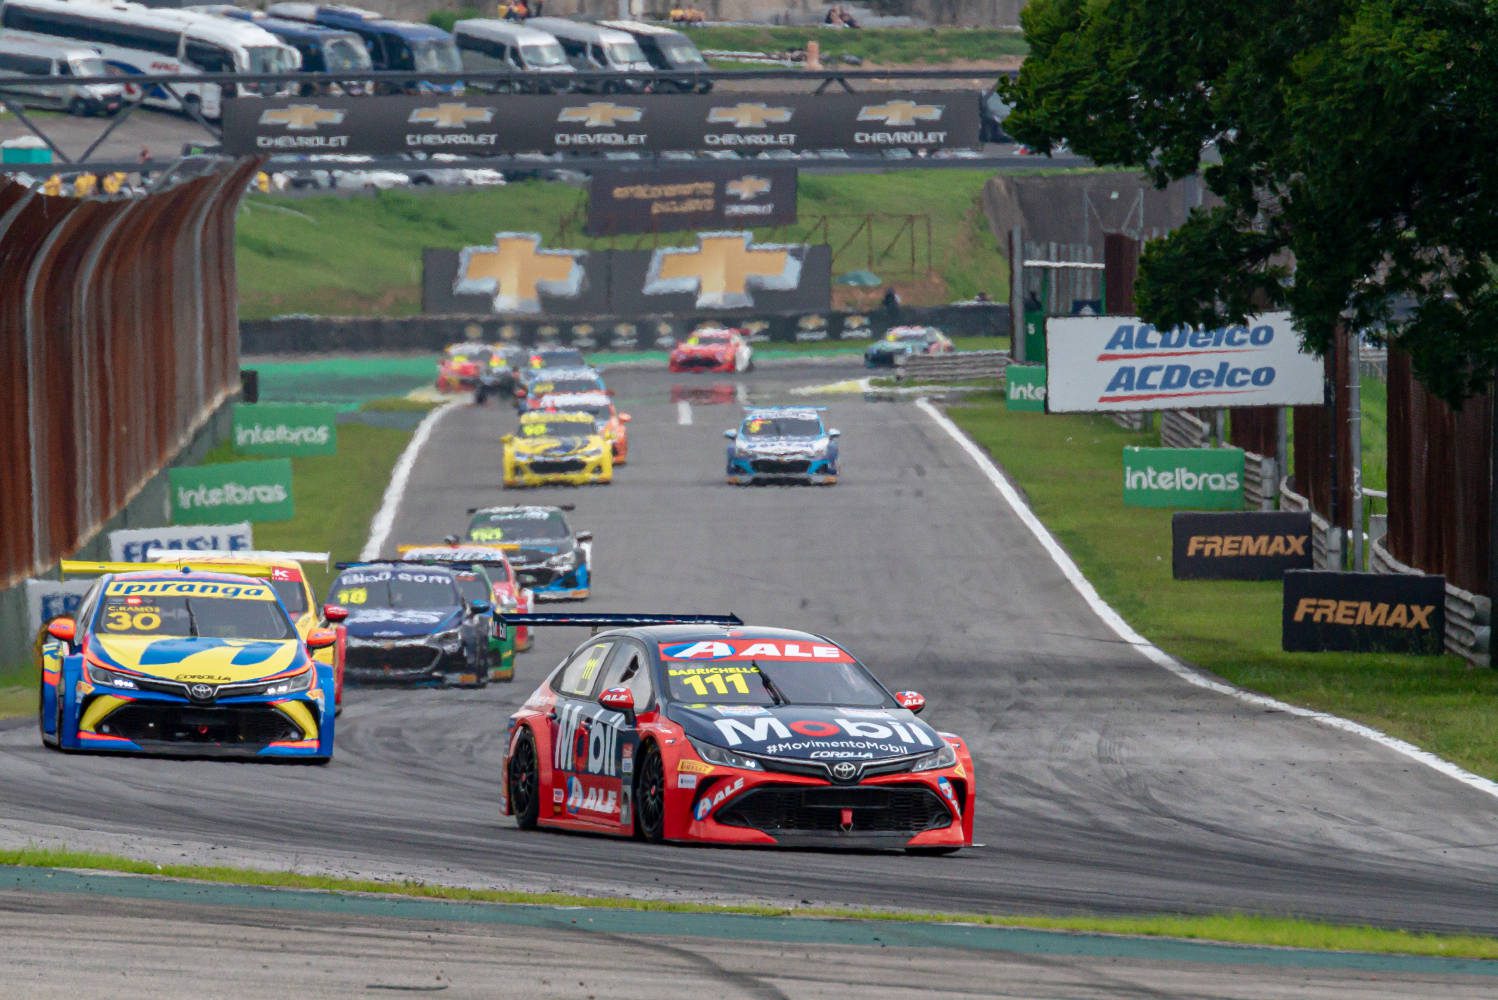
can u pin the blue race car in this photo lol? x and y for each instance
(782, 444)
(192, 660)
(551, 559)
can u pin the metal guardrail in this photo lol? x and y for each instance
(1469, 616)
(1183, 429)
(1326, 541)
(1261, 481)
(1132, 420)
(957, 365)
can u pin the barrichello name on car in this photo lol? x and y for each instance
(1119, 363)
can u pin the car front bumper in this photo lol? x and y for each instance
(744, 470)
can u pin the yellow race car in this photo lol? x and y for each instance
(557, 448)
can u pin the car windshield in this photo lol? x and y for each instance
(556, 428)
(773, 427)
(201, 616)
(394, 589)
(709, 337)
(560, 358)
(542, 55)
(598, 411)
(472, 587)
(624, 52)
(292, 594)
(581, 383)
(519, 525)
(681, 52)
(344, 54)
(270, 59)
(438, 55)
(88, 66)
(765, 683)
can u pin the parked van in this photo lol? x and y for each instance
(25, 63)
(590, 48)
(490, 46)
(392, 45)
(667, 49)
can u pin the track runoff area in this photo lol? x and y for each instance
(1105, 783)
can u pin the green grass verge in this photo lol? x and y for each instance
(358, 256)
(1228, 928)
(1070, 466)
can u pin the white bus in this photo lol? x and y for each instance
(133, 39)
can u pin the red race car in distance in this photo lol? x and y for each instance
(461, 366)
(695, 728)
(712, 349)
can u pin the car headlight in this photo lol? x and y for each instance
(290, 685)
(818, 450)
(104, 677)
(724, 758)
(936, 760)
(563, 560)
(742, 450)
(449, 640)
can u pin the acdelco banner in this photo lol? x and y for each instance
(1242, 545)
(491, 125)
(1183, 477)
(1099, 363)
(285, 429)
(673, 198)
(233, 491)
(1363, 612)
(138, 544)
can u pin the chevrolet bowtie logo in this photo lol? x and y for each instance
(302, 117)
(746, 115)
(722, 269)
(451, 116)
(515, 271)
(601, 114)
(747, 188)
(896, 113)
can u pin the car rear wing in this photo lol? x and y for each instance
(558, 506)
(74, 567)
(230, 555)
(597, 622)
(475, 554)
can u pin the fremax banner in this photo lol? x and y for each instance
(1363, 612)
(1239, 545)
(1097, 363)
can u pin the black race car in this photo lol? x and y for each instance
(548, 556)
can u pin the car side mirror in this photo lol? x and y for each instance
(506, 438)
(834, 433)
(911, 701)
(625, 418)
(321, 638)
(63, 628)
(480, 607)
(584, 536)
(619, 699)
(730, 435)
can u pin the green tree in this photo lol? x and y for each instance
(1352, 146)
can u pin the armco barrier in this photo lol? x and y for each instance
(1326, 543)
(118, 342)
(1261, 481)
(1184, 429)
(1469, 616)
(956, 365)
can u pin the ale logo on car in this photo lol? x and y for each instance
(451, 115)
(747, 188)
(722, 269)
(515, 271)
(749, 115)
(302, 117)
(601, 114)
(897, 113)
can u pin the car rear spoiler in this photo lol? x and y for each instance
(249, 555)
(558, 506)
(632, 619)
(74, 567)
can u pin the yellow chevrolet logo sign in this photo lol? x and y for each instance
(747, 188)
(515, 271)
(722, 269)
(600, 114)
(896, 113)
(302, 117)
(451, 116)
(749, 115)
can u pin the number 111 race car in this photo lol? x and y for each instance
(695, 728)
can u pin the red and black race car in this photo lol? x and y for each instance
(697, 728)
(712, 349)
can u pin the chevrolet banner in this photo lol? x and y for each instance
(501, 124)
(1097, 363)
(1363, 613)
(1239, 545)
(675, 198)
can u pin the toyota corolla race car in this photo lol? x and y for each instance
(555, 356)
(712, 349)
(461, 366)
(411, 625)
(782, 444)
(600, 406)
(198, 660)
(902, 342)
(549, 558)
(533, 387)
(506, 593)
(712, 732)
(554, 448)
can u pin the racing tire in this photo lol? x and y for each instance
(78, 108)
(650, 796)
(41, 709)
(523, 781)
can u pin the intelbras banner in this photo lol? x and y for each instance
(1097, 363)
(674, 198)
(1242, 545)
(1363, 613)
(501, 124)
(1210, 478)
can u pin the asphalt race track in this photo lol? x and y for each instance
(1105, 783)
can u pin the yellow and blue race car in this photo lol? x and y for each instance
(556, 447)
(199, 660)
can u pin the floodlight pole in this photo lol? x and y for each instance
(1355, 439)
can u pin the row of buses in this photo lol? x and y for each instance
(62, 38)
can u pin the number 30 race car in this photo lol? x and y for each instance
(694, 728)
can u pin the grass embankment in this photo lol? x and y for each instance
(360, 256)
(1229, 928)
(1070, 467)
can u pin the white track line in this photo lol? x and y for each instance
(384, 519)
(683, 412)
(1158, 656)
